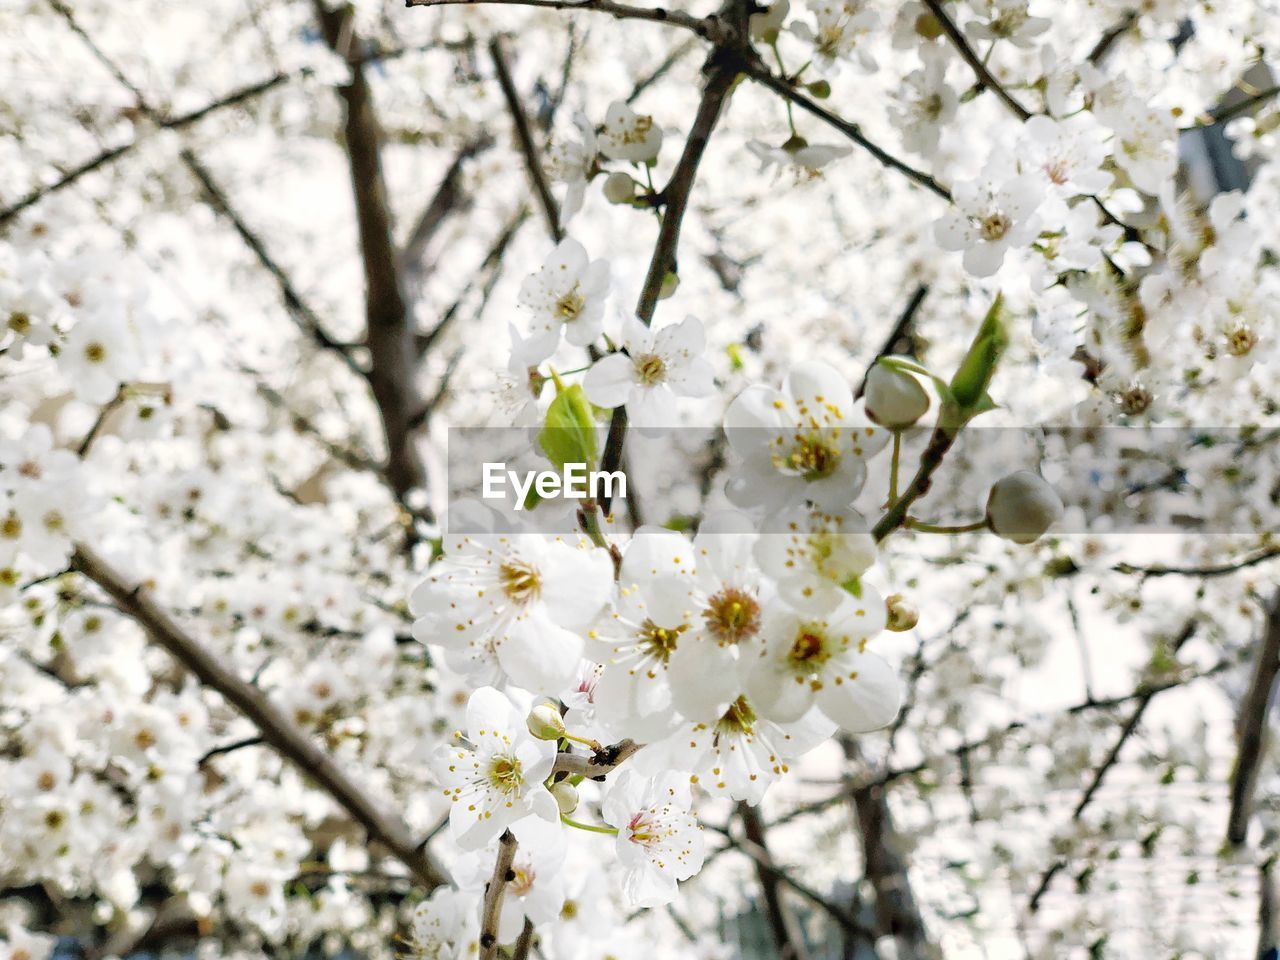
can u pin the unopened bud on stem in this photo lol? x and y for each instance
(901, 614)
(894, 399)
(619, 188)
(545, 723)
(566, 795)
(1022, 506)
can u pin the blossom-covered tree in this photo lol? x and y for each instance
(934, 341)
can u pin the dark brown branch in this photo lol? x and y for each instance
(178, 122)
(930, 460)
(1108, 39)
(787, 934)
(1251, 727)
(294, 745)
(490, 269)
(1212, 570)
(226, 748)
(524, 137)
(1268, 928)
(302, 315)
(985, 78)
(622, 11)
(897, 911)
(661, 70)
(788, 91)
(494, 893)
(389, 333)
(720, 77)
(901, 331)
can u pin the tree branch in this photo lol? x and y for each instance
(524, 136)
(1251, 727)
(494, 892)
(787, 91)
(236, 97)
(134, 601)
(389, 333)
(897, 911)
(595, 767)
(787, 934)
(702, 27)
(721, 75)
(930, 460)
(901, 331)
(1108, 39)
(985, 78)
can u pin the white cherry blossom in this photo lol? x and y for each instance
(661, 363)
(566, 294)
(659, 841)
(496, 777)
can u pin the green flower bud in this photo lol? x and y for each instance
(544, 722)
(819, 88)
(669, 284)
(901, 613)
(566, 795)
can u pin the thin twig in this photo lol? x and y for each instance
(986, 80)
(901, 330)
(524, 136)
(721, 75)
(788, 91)
(1108, 39)
(702, 27)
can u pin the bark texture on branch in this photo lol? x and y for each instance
(389, 333)
(1251, 726)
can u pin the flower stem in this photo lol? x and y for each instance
(593, 744)
(893, 465)
(589, 827)
(913, 524)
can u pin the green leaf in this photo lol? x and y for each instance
(971, 380)
(569, 434)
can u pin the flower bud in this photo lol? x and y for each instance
(569, 434)
(901, 614)
(819, 88)
(566, 795)
(669, 284)
(1022, 506)
(894, 399)
(619, 188)
(544, 722)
